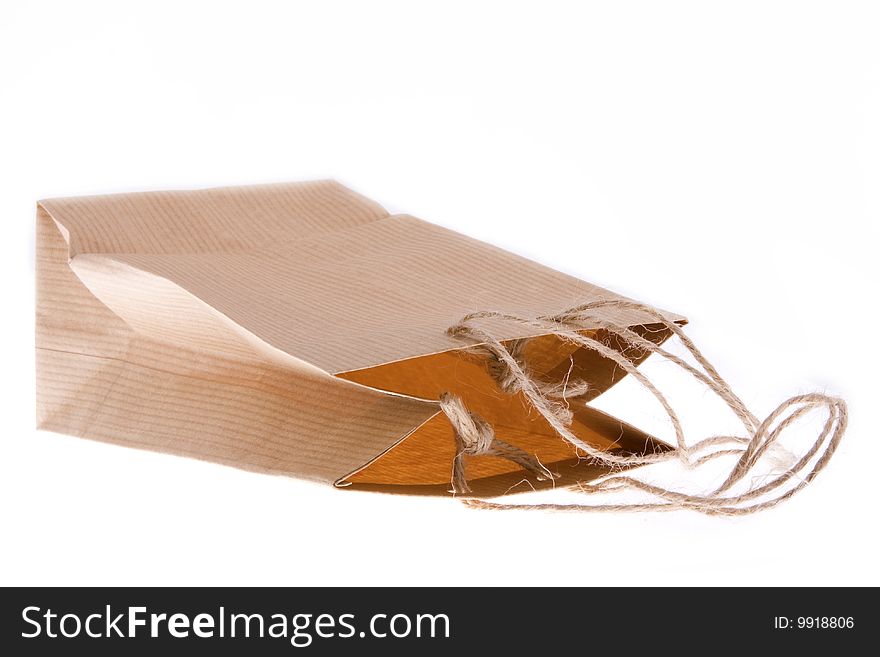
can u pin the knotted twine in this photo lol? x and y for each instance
(474, 436)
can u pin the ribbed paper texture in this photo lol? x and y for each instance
(255, 326)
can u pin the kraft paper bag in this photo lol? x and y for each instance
(300, 329)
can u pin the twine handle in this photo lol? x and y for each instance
(505, 364)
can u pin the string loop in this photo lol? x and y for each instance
(505, 364)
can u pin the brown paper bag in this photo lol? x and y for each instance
(300, 329)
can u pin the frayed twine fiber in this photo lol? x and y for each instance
(476, 437)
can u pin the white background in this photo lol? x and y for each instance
(717, 159)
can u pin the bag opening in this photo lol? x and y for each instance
(421, 462)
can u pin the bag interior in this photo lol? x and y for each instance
(421, 463)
